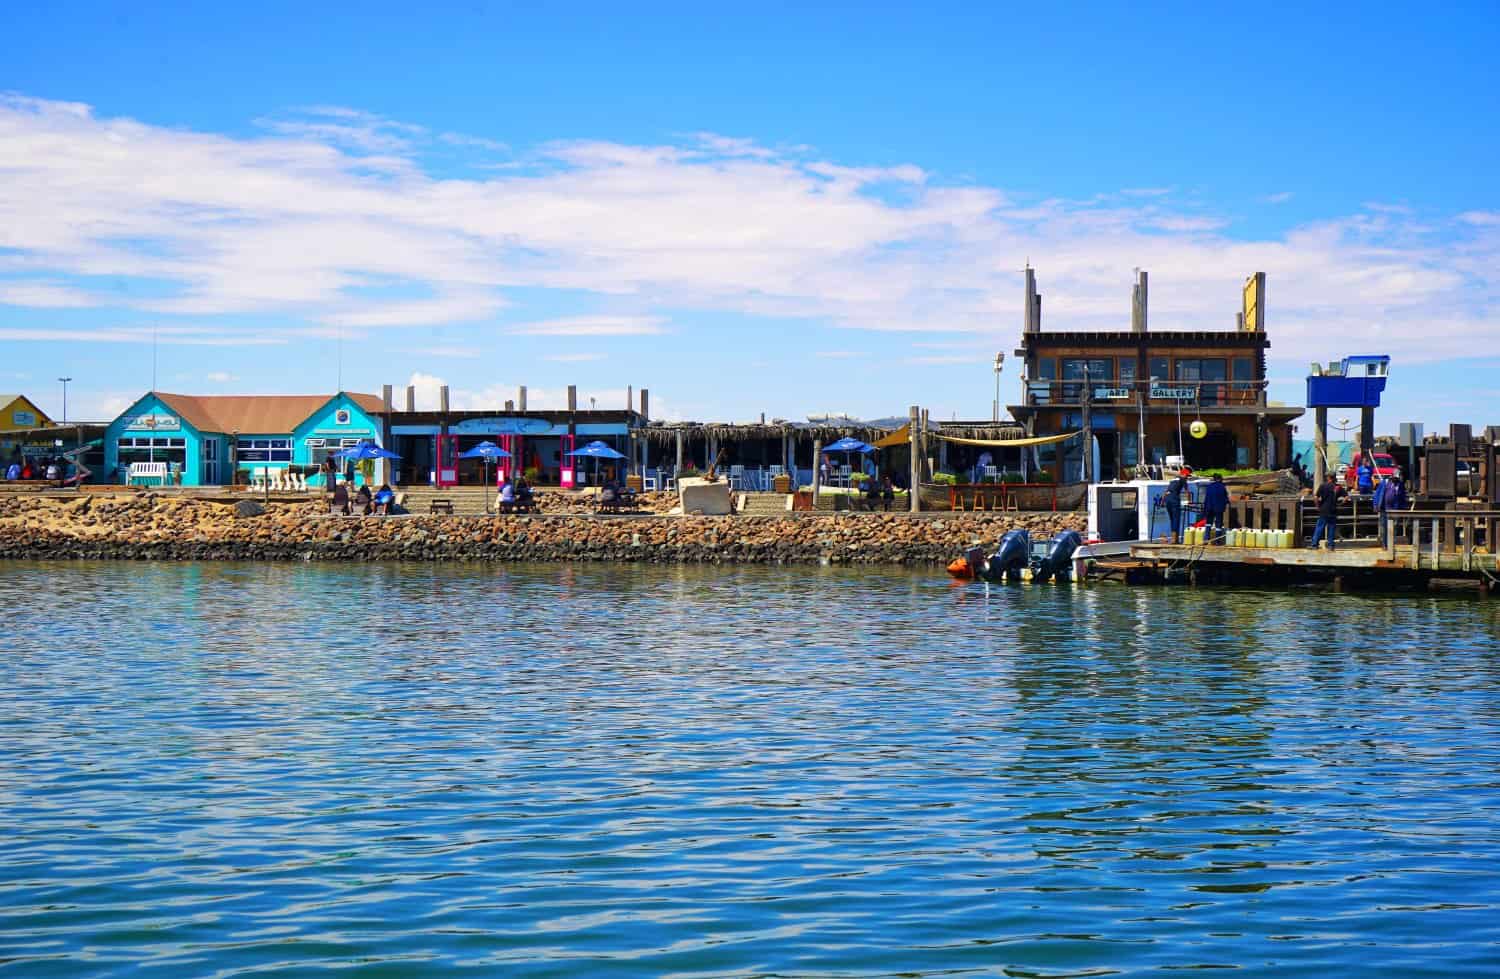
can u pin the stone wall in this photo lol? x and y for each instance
(153, 527)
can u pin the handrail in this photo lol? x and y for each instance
(1457, 528)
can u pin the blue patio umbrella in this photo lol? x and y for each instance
(365, 450)
(847, 444)
(596, 450)
(485, 451)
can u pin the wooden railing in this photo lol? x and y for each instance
(1430, 535)
(1206, 394)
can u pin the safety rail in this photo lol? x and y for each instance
(1205, 394)
(1457, 534)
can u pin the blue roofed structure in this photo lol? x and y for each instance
(1354, 382)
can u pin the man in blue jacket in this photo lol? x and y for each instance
(1389, 495)
(1215, 502)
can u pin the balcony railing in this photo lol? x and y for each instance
(1203, 394)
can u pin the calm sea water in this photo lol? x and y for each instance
(236, 770)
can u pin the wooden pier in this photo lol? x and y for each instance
(1427, 548)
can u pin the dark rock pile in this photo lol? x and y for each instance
(150, 527)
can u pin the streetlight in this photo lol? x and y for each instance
(65, 381)
(999, 363)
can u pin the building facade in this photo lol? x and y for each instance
(1133, 397)
(219, 440)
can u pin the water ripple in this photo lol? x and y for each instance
(244, 770)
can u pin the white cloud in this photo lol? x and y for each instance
(1278, 198)
(44, 295)
(165, 336)
(593, 326)
(842, 354)
(219, 377)
(296, 227)
(576, 358)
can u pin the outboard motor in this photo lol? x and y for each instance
(1013, 555)
(1058, 562)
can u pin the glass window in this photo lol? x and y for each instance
(1159, 369)
(1127, 371)
(1129, 449)
(1046, 369)
(1244, 375)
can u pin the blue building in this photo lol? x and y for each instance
(206, 439)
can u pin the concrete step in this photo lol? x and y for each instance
(767, 504)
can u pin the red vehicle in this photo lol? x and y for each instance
(1381, 464)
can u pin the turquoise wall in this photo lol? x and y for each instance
(131, 424)
(341, 418)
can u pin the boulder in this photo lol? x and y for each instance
(248, 508)
(701, 496)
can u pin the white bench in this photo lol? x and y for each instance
(147, 470)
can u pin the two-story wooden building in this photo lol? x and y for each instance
(1135, 395)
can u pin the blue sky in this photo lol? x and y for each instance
(777, 210)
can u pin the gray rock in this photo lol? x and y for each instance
(248, 508)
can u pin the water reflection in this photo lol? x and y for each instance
(223, 767)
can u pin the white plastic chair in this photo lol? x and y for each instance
(992, 473)
(648, 482)
(844, 473)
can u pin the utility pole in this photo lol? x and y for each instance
(65, 381)
(999, 363)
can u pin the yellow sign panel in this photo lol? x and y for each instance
(1254, 304)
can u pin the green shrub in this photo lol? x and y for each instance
(1042, 476)
(944, 479)
(1010, 477)
(858, 479)
(533, 475)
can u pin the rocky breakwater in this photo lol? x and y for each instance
(150, 527)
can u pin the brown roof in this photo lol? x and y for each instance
(262, 414)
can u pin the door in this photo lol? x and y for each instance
(445, 461)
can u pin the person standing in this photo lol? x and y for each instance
(1389, 495)
(1172, 500)
(1364, 476)
(1215, 503)
(1328, 497)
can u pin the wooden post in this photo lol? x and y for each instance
(1320, 446)
(1088, 427)
(914, 419)
(817, 480)
(926, 446)
(677, 473)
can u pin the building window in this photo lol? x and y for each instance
(1160, 370)
(1094, 371)
(1204, 371)
(1244, 378)
(265, 450)
(1129, 449)
(1127, 372)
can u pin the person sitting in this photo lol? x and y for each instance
(363, 501)
(887, 491)
(53, 473)
(872, 494)
(13, 473)
(384, 499)
(340, 504)
(525, 498)
(26, 471)
(609, 497)
(507, 497)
